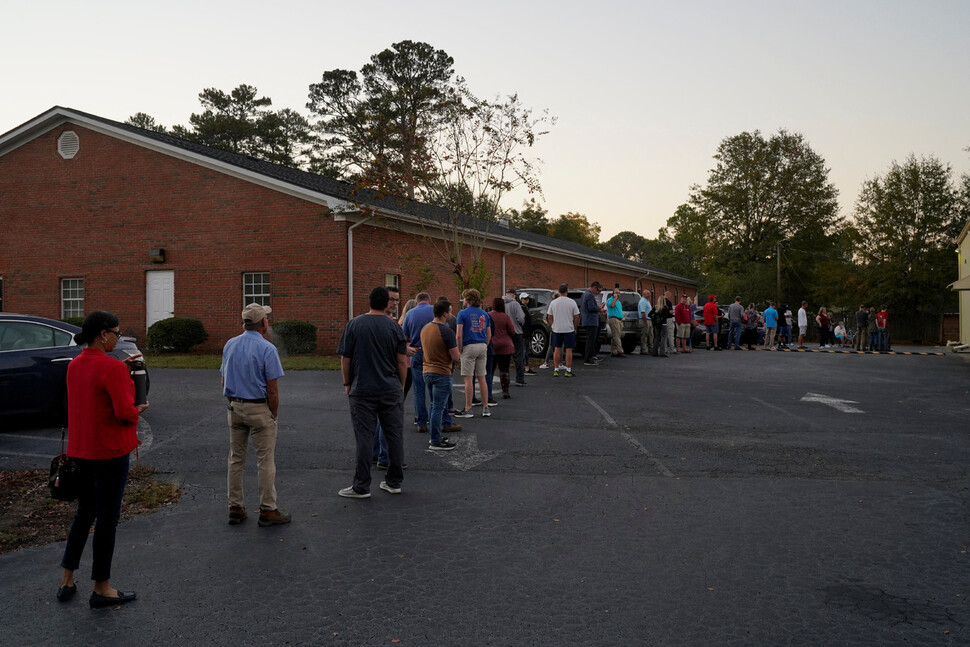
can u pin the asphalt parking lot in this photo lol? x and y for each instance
(715, 498)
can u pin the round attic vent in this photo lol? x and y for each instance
(68, 144)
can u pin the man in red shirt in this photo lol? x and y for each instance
(882, 327)
(711, 315)
(682, 319)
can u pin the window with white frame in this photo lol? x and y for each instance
(256, 288)
(72, 298)
(392, 280)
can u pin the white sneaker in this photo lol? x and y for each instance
(543, 365)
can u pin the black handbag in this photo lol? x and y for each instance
(63, 476)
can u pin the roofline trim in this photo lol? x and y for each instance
(58, 116)
(639, 270)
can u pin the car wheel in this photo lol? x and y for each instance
(538, 342)
(630, 343)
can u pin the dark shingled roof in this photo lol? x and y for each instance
(351, 193)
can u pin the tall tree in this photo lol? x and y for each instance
(906, 222)
(407, 127)
(764, 196)
(377, 127)
(241, 121)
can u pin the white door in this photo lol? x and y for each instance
(160, 295)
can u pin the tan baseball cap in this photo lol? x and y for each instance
(254, 313)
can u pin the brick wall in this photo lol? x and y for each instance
(97, 216)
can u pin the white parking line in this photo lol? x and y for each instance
(788, 414)
(606, 416)
(630, 439)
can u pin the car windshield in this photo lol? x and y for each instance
(631, 302)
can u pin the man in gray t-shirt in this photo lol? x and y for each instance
(373, 364)
(736, 320)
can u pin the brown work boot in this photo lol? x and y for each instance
(273, 517)
(237, 515)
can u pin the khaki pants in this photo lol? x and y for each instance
(646, 337)
(616, 329)
(252, 419)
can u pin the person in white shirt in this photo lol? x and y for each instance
(802, 324)
(563, 316)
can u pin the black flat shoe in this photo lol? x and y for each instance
(101, 601)
(65, 593)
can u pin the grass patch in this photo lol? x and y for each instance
(29, 517)
(212, 362)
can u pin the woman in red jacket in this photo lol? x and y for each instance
(502, 344)
(102, 431)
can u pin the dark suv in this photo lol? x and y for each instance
(537, 334)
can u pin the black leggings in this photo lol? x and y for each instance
(503, 362)
(101, 486)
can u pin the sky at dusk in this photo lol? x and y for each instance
(643, 91)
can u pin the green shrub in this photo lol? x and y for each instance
(295, 337)
(175, 335)
(74, 321)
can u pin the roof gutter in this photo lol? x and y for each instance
(508, 253)
(350, 266)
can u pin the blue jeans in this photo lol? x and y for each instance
(440, 386)
(489, 372)
(734, 334)
(420, 392)
(102, 484)
(882, 337)
(380, 445)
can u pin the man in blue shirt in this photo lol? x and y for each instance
(589, 318)
(250, 368)
(414, 322)
(646, 326)
(771, 325)
(474, 333)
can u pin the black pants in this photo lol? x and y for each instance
(102, 485)
(521, 356)
(592, 342)
(365, 412)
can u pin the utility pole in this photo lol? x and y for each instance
(778, 286)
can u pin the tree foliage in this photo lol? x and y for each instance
(627, 244)
(531, 218)
(241, 121)
(576, 228)
(763, 196)
(906, 222)
(407, 126)
(377, 127)
(146, 121)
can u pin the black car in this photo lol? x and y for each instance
(699, 332)
(538, 328)
(34, 354)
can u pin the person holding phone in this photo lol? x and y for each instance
(102, 425)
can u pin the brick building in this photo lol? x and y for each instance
(97, 214)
